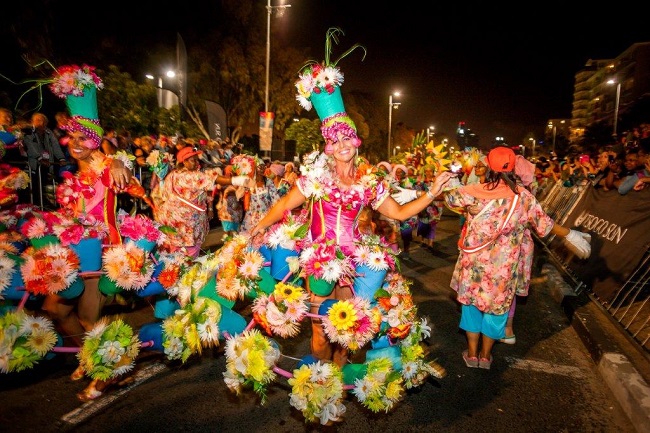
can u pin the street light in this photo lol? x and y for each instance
(553, 127)
(430, 130)
(166, 97)
(391, 105)
(618, 100)
(269, 10)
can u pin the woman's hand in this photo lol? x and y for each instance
(440, 183)
(120, 174)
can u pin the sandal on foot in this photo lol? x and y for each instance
(89, 394)
(508, 339)
(485, 363)
(78, 374)
(470, 361)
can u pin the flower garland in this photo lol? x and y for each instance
(49, 269)
(381, 388)
(323, 259)
(74, 80)
(318, 182)
(24, 340)
(281, 312)
(128, 266)
(351, 323)
(373, 252)
(109, 349)
(317, 391)
(250, 358)
(191, 328)
(77, 189)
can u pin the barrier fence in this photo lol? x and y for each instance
(617, 274)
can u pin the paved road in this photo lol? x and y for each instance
(546, 382)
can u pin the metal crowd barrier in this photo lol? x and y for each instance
(630, 305)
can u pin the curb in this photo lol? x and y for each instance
(607, 349)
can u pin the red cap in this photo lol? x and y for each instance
(501, 159)
(185, 153)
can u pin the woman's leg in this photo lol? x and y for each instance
(321, 347)
(511, 318)
(90, 304)
(62, 313)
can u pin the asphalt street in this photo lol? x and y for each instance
(546, 382)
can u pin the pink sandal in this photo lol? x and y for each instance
(485, 363)
(470, 361)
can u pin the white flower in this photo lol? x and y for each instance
(111, 352)
(174, 349)
(208, 331)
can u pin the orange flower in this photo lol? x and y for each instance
(169, 276)
(261, 320)
(400, 331)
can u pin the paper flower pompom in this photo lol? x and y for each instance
(109, 349)
(317, 391)
(24, 340)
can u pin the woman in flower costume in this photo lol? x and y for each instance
(184, 201)
(336, 187)
(92, 190)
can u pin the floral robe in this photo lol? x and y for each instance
(490, 278)
(182, 202)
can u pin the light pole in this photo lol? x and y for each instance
(553, 129)
(430, 130)
(618, 100)
(269, 11)
(532, 153)
(391, 105)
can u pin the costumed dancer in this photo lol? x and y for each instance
(336, 188)
(93, 191)
(184, 201)
(493, 247)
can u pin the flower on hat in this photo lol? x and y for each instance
(74, 79)
(318, 77)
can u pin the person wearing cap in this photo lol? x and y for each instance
(490, 269)
(184, 201)
(336, 188)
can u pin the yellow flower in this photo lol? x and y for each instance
(287, 292)
(342, 315)
(41, 341)
(394, 389)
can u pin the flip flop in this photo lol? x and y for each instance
(470, 361)
(485, 363)
(508, 339)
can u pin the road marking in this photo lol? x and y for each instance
(544, 367)
(89, 408)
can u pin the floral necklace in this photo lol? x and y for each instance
(320, 182)
(80, 187)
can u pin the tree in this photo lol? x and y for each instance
(307, 135)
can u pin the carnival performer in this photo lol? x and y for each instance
(489, 271)
(90, 192)
(337, 188)
(184, 201)
(262, 196)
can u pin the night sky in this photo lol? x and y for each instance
(504, 71)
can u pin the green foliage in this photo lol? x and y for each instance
(307, 135)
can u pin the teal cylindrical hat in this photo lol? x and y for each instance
(327, 104)
(78, 86)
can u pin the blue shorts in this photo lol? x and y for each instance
(230, 226)
(491, 325)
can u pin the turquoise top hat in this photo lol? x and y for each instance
(319, 86)
(79, 85)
